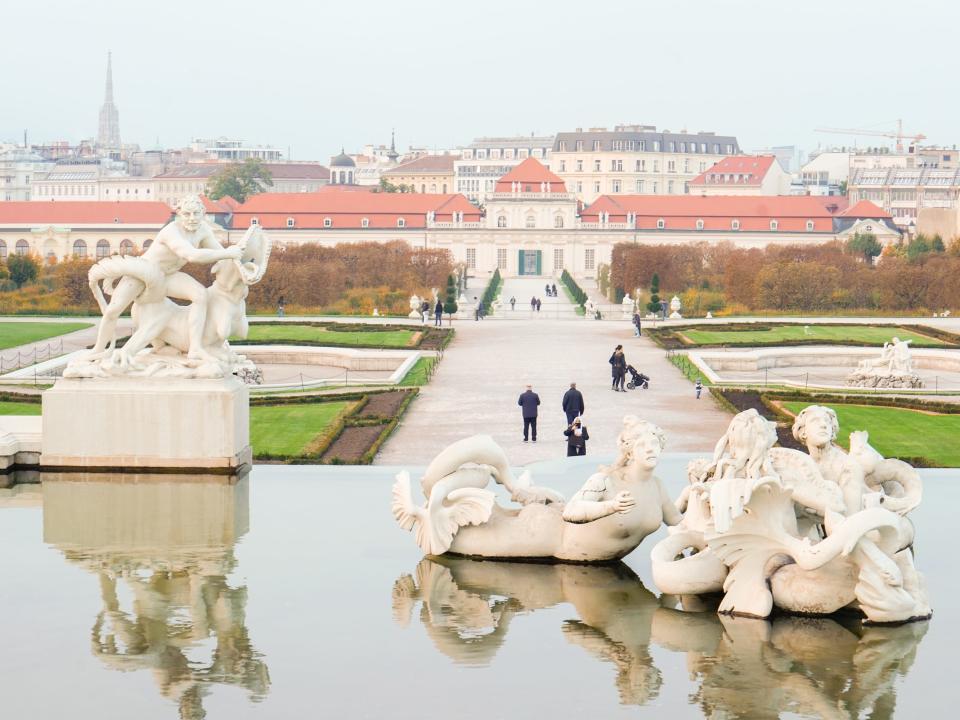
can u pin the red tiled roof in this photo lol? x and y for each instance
(681, 212)
(531, 172)
(347, 208)
(424, 164)
(52, 212)
(223, 206)
(866, 209)
(737, 170)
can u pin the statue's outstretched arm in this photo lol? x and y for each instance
(588, 503)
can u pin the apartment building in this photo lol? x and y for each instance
(635, 159)
(904, 192)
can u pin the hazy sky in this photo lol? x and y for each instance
(313, 76)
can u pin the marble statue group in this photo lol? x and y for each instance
(171, 339)
(893, 369)
(758, 527)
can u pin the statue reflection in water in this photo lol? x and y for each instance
(162, 552)
(744, 667)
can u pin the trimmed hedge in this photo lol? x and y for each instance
(579, 296)
(670, 338)
(493, 289)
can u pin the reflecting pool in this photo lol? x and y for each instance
(292, 593)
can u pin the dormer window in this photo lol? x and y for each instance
(254, 221)
(700, 224)
(734, 224)
(291, 222)
(328, 222)
(661, 224)
(401, 223)
(809, 225)
(774, 225)
(364, 222)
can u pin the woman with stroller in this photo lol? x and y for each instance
(577, 437)
(618, 368)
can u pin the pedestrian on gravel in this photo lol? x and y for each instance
(554, 288)
(538, 304)
(572, 403)
(513, 301)
(618, 368)
(577, 437)
(438, 313)
(698, 387)
(528, 403)
(533, 304)
(636, 324)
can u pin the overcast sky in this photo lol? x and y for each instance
(315, 75)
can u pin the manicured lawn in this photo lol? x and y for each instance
(897, 432)
(321, 336)
(19, 408)
(289, 429)
(418, 373)
(835, 333)
(13, 334)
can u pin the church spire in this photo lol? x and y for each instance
(108, 133)
(393, 154)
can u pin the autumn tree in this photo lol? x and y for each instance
(865, 245)
(23, 269)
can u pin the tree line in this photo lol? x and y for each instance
(856, 275)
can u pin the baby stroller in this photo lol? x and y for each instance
(637, 379)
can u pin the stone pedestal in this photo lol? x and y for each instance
(126, 424)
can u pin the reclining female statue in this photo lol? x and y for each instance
(605, 520)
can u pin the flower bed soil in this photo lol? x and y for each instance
(352, 444)
(383, 405)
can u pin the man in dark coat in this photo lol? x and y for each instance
(618, 368)
(528, 402)
(572, 403)
(438, 313)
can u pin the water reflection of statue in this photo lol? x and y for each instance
(612, 513)
(744, 668)
(170, 545)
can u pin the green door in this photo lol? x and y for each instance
(530, 262)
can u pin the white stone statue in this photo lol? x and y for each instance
(610, 515)
(893, 369)
(171, 340)
(809, 533)
(709, 315)
(590, 309)
(675, 309)
(415, 308)
(627, 306)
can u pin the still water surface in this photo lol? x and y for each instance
(292, 593)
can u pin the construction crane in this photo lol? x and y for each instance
(898, 134)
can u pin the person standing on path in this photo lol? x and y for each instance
(577, 437)
(281, 307)
(572, 403)
(636, 324)
(554, 289)
(528, 403)
(438, 313)
(538, 304)
(618, 368)
(698, 387)
(533, 304)
(513, 301)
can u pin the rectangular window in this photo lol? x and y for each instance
(522, 153)
(502, 258)
(671, 166)
(671, 147)
(639, 186)
(563, 166)
(641, 145)
(472, 258)
(508, 154)
(563, 146)
(616, 165)
(579, 186)
(670, 187)
(641, 166)
(495, 153)
(596, 187)
(579, 145)
(654, 189)
(596, 166)
(656, 146)
(558, 258)
(589, 259)
(615, 186)
(729, 149)
(579, 165)
(686, 165)
(596, 145)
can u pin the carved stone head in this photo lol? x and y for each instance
(190, 213)
(816, 426)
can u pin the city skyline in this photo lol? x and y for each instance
(344, 76)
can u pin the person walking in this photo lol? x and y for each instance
(424, 311)
(513, 301)
(577, 437)
(636, 324)
(618, 368)
(533, 303)
(698, 387)
(528, 403)
(554, 288)
(281, 307)
(547, 289)
(538, 304)
(438, 313)
(572, 403)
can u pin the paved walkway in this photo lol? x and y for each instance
(484, 370)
